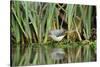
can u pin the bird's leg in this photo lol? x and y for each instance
(59, 43)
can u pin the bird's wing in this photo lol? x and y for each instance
(57, 33)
